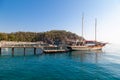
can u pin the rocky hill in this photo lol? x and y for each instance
(47, 37)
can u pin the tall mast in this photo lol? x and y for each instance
(95, 29)
(82, 23)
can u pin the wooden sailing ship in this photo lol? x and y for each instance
(85, 45)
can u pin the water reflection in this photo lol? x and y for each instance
(86, 56)
(82, 56)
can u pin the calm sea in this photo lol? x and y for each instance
(77, 65)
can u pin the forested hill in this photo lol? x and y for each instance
(48, 37)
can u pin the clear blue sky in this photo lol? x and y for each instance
(44, 15)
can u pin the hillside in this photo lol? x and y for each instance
(48, 37)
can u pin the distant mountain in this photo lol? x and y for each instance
(48, 37)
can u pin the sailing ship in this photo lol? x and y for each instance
(88, 45)
(85, 45)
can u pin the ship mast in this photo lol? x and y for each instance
(82, 40)
(82, 23)
(95, 29)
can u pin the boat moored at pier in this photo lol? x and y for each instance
(85, 45)
(55, 49)
(88, 45)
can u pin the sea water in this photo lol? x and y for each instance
(76, 65)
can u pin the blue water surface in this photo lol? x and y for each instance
(76, 65)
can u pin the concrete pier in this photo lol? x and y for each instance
(24, 50)
(33, 45)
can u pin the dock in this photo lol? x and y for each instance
(24, 47)
(35, 45)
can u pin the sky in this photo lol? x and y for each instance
(46, 15)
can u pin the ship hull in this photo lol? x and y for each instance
(86, 48)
